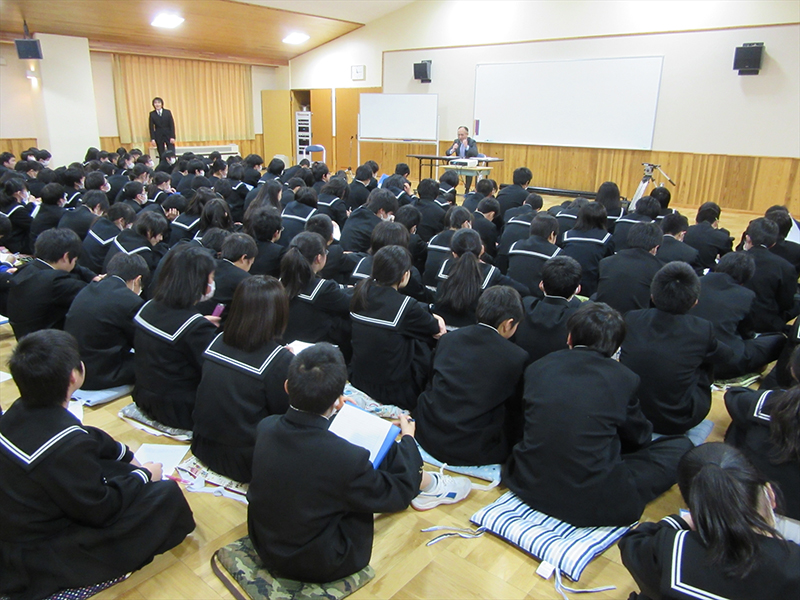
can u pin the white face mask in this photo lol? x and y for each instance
(212, 287)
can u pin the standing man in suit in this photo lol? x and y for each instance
(162, 128)
(464, 147)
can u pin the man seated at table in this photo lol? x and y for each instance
(464, 147)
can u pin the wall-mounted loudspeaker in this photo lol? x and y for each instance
(28, 49)
(422, 71)
(747, 59)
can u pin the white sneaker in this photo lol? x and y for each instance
(445, 490)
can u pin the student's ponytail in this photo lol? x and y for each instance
(462, 288)
(389, 265)
(296, 269)
(785, 419)
(724, 493)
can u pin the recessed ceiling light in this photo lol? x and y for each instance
(295, 38)
(167, 20)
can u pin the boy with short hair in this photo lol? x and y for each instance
(77, 508)
(464, 415)
(707, 237)
(673, 352)
(317, 525)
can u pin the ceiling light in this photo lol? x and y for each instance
(295, 38)
(167, 20)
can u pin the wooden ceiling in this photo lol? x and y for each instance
(218, 30)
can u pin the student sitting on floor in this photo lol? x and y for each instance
(586, 455)
(543, 328)
(392, 333)
(646, 211)
(171, 337)
(318, 308)
(464, 277)
(102, 235)
(727, 304)
(325, 531)
(517, 228)
(588, 242)
(244, 372)
(297, 213)
(765, 426)
(457, 217)
(625, 277)
(672, 246)
(264, 225)
(727, 547)
(101, 319)
(50, 211)
(43, 290)
(474, 398)
(527, 257)
(707, 237)
(238, 252)
(144, 239)
(77, 508)
(432, 214)
(673, 352)
(380, 206)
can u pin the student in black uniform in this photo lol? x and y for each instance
(586, 456)
(707, 237)
(338, 264)
(318, 308)
(483, 189)
(447, 189)
(80, 219)
(432, 214)
(543, 328)
(101, 320)
(171, 337)
(567, 216)
(673, 353)
(78, 509)
(470, 409)
(527, 257)
(765, 426)
(438, 250)
(297, 213)
(463, 278)
(144, 239)
(486, 215)
(626, 277)
(102, 234)
(326, 532)
(672, 245)
(516, 228)
(14, 205)
(50, 211)
(728, 546)
(392, 333)
(646, 211)
(410, 217)
(663, 196)
(265, 226)
(513, 196)
(588, 242)
(238, 252)
(244, 372)
(43, 290)
(727, 304)
(774, 282)
(357, 232)
(332, 200)
(321, 174)
(358, 187)
(268, 193)
(784, 248)
(608, 195)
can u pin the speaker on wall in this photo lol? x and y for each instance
(422, 71)
(747, 59)
(28, 49)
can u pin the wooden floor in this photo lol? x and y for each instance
(405, 568)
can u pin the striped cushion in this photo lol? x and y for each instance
(567, 548)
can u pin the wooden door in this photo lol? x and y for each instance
(277, 119)
(322, 124)
(347, 107)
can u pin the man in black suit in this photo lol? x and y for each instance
(707, 237)
(513, 196)
(727, 304)
(775, 280)
(463, 147)
(626, 276)
(672, 245)
(162, 128)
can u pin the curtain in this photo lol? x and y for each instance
(209, 100)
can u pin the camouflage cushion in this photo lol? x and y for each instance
(242, 562)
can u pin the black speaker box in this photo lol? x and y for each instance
(422, 71)
(27, 49)
(747, 59)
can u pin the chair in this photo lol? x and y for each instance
(306, 153)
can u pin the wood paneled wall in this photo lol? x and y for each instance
(16, 145)
(254, 146)
(749, 183)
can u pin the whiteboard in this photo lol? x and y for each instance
(399, 116)
(596, 103)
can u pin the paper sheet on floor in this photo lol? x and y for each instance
(169, 455)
